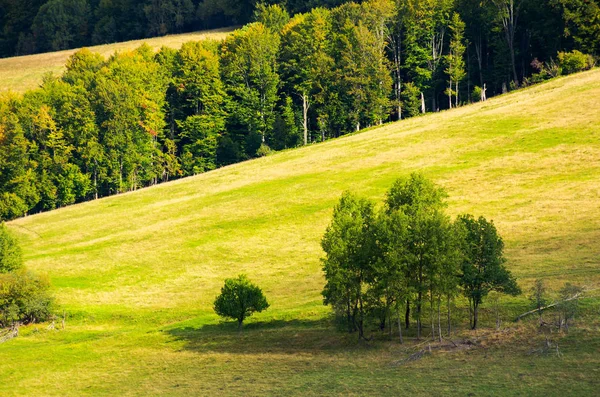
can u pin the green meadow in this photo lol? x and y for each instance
(136, 274)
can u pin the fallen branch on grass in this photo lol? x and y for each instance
(541, 309)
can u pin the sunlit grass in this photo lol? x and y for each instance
(137, 273)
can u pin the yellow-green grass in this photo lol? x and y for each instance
(23, 73)
(137, 273)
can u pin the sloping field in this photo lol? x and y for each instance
(23, 73)
(137, 273)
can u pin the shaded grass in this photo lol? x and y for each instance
(137, 273)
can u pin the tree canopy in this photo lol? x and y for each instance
(239, 299)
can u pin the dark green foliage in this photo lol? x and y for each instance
(581, 23)
(61, 24)
(24, 298)
(483, 267)
(285, 129)
(11, 258)
(240, 299)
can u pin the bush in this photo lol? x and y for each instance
(263, 151)
(575, 61)
(239, 299)
(10, 252)
(477, 91)
(24, 298)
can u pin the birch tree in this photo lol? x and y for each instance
(456, 62)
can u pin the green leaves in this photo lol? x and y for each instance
(11, 258)
(239, 299)
(483, 267)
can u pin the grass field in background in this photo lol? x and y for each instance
(137, 273)
(23, 73)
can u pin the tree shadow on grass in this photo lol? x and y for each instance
(275, 336)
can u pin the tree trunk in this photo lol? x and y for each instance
(470, 313)
(400, 328)
(431, 317)
(457, 83)
(439, 318)
(449, 319)
(478, 53)
(475, 314)
(423, 110)
(419, 300)
(305, 107)
(407, 315)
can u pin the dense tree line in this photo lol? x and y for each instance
(139, 118)
(33, 26)
(409, 256)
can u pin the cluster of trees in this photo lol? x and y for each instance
(29, 26)
(409, 256)
(24, 296)
(140, 118)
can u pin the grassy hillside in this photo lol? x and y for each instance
(23, 73)
(137, 273)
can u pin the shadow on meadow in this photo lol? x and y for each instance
(275, 336)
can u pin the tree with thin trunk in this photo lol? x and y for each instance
(304, 61)
(483, 267)
(239, 299)
(422, 202)
(349, 245)
(456, 61)
(538, 297)
(509, 17)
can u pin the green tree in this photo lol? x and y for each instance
(305, 62)
(17, 171)
(285, 129)
(129, 95)
(483, 267)
(62, 24)
(240, 299)
(24, 298)
(582, 23)
(455, 59)
(167, 16)
(348, 246)
(389, 276)
(11, 257)
(423, 203)
(508, 15)
(274, 16)
(249, 68)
